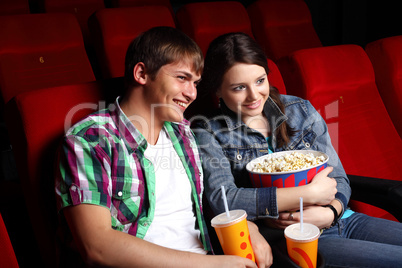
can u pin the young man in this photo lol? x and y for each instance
(130, 180)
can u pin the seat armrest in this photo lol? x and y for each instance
(382, 193)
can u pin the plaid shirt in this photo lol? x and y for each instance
(102, 163)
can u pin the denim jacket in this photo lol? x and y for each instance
(227, 145)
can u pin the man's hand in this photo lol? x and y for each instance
(261, 248)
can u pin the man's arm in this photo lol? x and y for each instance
(261, 248)
(100, 245)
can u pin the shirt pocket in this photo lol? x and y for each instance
(305, 141)
(126, 205)
(238, 156)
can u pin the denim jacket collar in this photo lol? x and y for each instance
(271, 110)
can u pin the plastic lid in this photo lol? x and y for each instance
(222, 220)
(310, 232)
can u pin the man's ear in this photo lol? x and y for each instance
(139, 73)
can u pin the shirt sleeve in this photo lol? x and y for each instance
(323, 143)
(258, 203)
(83, 174)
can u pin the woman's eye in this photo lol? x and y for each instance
(260, 81)
(238, 88)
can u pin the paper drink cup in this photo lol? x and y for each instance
(286, 178)
(302, 247)
(233, 233)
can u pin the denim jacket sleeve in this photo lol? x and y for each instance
(305, 118)
(258, 203)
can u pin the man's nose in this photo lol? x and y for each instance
(191, 91)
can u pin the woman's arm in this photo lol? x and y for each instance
(217, 172)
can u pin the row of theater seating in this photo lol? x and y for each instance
(48, 83)
(41, 50)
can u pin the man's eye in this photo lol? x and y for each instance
(181, 77)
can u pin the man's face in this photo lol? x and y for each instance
(172, 91)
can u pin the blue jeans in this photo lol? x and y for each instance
(362, 241)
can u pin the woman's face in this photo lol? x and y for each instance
(244, 89)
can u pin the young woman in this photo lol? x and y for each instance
(254, 120)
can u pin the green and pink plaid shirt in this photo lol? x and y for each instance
(102, 163)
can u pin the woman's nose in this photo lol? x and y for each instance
(252, 93)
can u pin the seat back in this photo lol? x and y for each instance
(14, 7)
(275, 78)
(7, 254)
(386, 56)
(339, 82)
(204, 21)
(81, 9)
(138, 3)
(41, 50)
(282, 26)
(113, 29)
(37, 122)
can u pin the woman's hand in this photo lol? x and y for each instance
(322, 189)
(261, 248)
(319, 216)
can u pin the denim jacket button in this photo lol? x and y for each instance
(307, 145)
(239, 157)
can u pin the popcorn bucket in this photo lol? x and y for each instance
(282, 179)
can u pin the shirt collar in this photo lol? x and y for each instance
(132, 138)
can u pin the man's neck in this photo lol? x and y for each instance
(140, 115)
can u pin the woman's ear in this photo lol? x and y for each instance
(218, 93)
(139, 73)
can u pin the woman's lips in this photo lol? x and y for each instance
(254, 105)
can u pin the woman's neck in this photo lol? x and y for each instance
(259, 123)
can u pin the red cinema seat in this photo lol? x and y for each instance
(113, 29)
(37, 123)
(139, 3)
(275, 78)
(204, 21)
(339, 81)
(41, 50)
(7, 254)
(386, 56)
(14, 7)
(81, 9)
(282, 26)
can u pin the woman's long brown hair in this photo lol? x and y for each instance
(223, 53)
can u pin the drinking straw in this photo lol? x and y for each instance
(301, 214)
(225, 201)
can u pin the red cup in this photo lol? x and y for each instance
(292, 178)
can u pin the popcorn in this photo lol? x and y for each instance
(289, 162)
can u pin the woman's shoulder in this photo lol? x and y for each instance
(295, 103)
(210, 123)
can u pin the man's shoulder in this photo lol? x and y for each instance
(99, 122)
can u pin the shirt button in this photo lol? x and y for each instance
(73, 188)
(239, 157)
(120, 193)
(146, 224)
